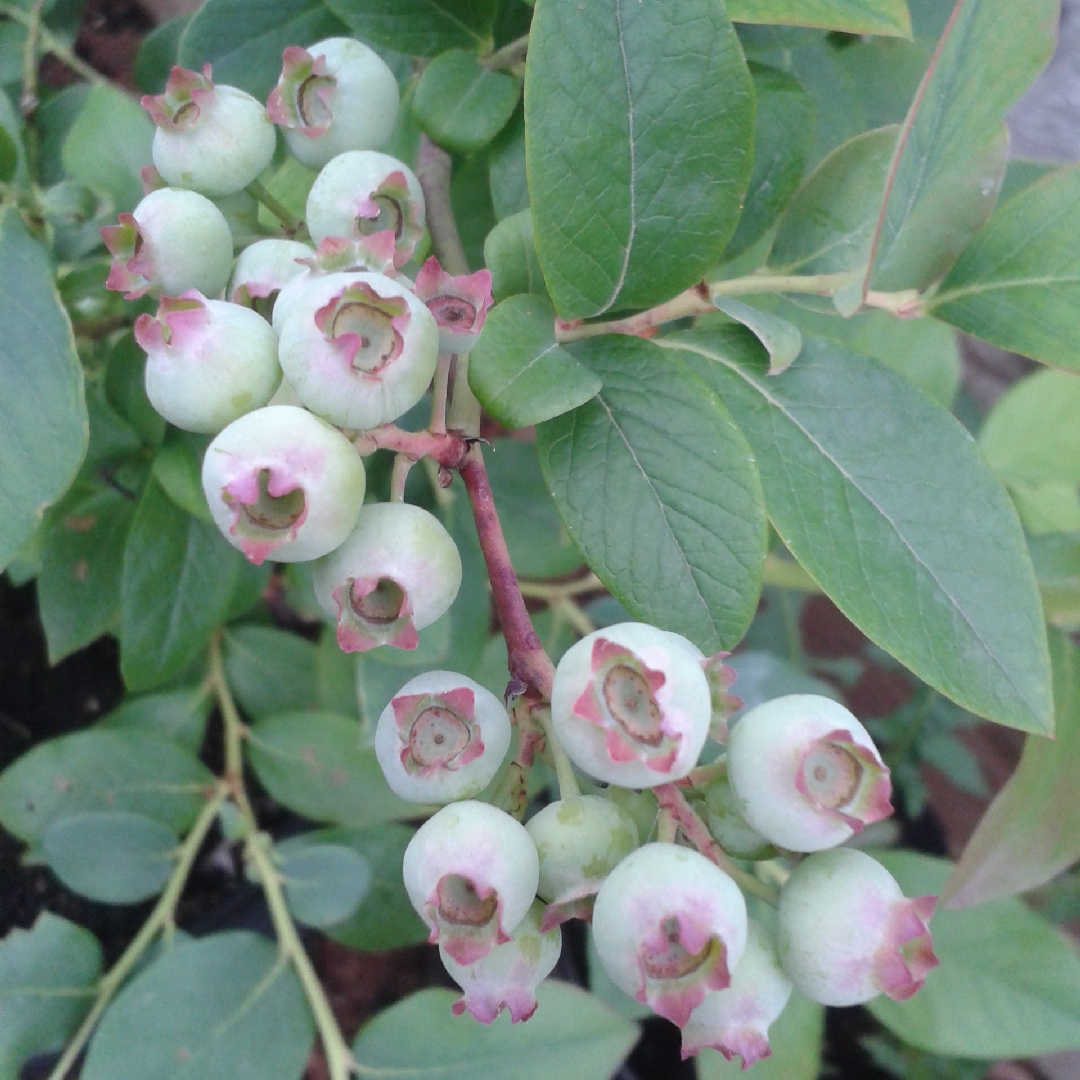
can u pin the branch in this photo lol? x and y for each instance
(261, 194)
(447, 448)
(433, 167)
(508, 55)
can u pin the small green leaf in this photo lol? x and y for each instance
(658, 488)
(1056, 559)
(269, 670)
(781, 339)
(1018, 285)
(571, 1035)
(43, 423)
(244, 39)
(883, 498)
(157, 54)
(847, 16)
(223, 1007)
(178, 578)
(9, 156)
(101, 770)
(79, 583)
(506, 170)
(178, 469)
(324, 883)
(47, 977)
(470, 196)
(419, 27)
(1008, 985)
(510, 255)
(315, 764)
(175, 714)
(519, 372)
(112, 856)
(639, 123)
(461, 104)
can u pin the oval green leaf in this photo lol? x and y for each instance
(418, 27)
(781, 339)
(175, 714)
(510, 255)
(658, 488)
(270, 670)
(324, 883)
(883, 498)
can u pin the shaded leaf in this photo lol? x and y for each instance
(176, 714)
(418, 27)
(157, 54)
(781, 339)
(510, 255)
(178, 469)
(506, 170)
(849, 16)
(270, 670)
(324, 883)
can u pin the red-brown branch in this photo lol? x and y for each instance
(448, 448)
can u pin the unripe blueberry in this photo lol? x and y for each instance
(215, 139)
(397, 572)
(208, 361)
(723, 815)
(631, 705)
(580, 840)
(508, 976)
(282, 482)
(362, 192)
(669, 926)
(471, 873)
(441, 738)
(845, 932)
(265, 268)
(359, 349)
(174, 240)
(459, 304)
(806, 772)
(736, 1021)
(334, 96)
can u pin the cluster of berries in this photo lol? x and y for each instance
(358, 343)
(282, 354)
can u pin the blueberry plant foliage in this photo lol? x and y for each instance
(625, 327)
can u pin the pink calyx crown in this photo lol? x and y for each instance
(438, 731)
(903, 962)
(259, 526)
(132, 269)
(720, 677)
(845, 780)
(406, 227)
(187, 93)
(466, 917)
(459, 303)
(335, 254)
(179, 322)
(301, 99)
(365, 329)
(620, 698)
(359, 629)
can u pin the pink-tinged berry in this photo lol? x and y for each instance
(806, 772)
(723, 815)
(441, 738)
(845, 932)
(459, 304)
(282, 483)
(631, 705)
(580, 840)
(359, 349)
(398, 571)
(669, 926)
(265, 268)
(334, 96)
(471, 873)
(508, 976)
(208, 361)
(173, 241)
(362, 192)
(212, 138)
(736, 1021)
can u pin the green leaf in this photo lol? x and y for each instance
(638, 122)
(108, 144)
(419, 27)
(270, 670)
(175, 714)
(461, 104)
(177, 583)
(936, 573)
(324, 883)
(1018, 285)
(125, 390)
(506, 170)
(952, 145)
(783, 135)
(658, 488)
(244, 39)
(510, 255)
(828, 224)
(43, 423)
(157, 54)
(79, 583)
(1056, 559)
(315, 764)
(539, 544)
(1028, 835)
(849, 16)
(9, 156)
(178, 469)
(519, 372)
(470, 196)
(101, 770)
(795, 1039)
(781, 339)
(1022, 173)
(571, 1035)
(112, 856)
(1008, 985)
(47, 977)
(384, 918)
(223, 1007)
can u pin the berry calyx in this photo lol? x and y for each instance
(265, 268)
(459, 304)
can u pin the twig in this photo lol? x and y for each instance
(574, 614)
(403, 463)
(508, 55)
(544, 590)
(787, 574)
(433, 167)
(447, 448)
(53, 45)
(439, 388)
(28, 99)
(289, 222)
(564, 771)
(464, 408)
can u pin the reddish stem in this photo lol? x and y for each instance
(447, 448)
(530, 667)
